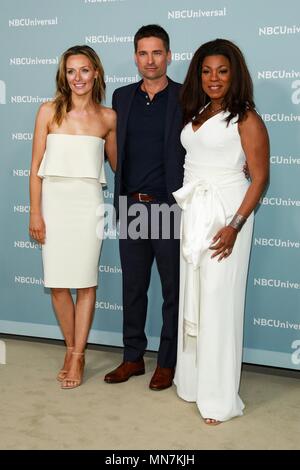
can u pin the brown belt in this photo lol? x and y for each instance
(142, 197)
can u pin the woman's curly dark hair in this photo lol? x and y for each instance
(239, 98)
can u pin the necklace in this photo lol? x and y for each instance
(214, 111)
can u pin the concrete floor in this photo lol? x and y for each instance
(37, 414)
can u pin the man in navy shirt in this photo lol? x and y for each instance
(149, 169)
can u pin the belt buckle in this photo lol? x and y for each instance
(141, 197)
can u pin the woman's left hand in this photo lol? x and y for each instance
(223, 242)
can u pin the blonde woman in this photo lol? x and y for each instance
(67, 174)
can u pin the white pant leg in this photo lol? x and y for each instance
(186, 374)
(211, 377)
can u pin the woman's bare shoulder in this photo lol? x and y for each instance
(108, 112)
(108, 115)
(46, 110)
(45, 115)
(252, 120)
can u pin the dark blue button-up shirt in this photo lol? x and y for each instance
(143, 169)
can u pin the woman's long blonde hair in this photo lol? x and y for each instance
(62, 100)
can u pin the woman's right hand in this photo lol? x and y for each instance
(37, 228)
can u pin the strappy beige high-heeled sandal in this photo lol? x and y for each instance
(76, 381)
(63, 372)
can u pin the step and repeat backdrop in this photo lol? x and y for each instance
(33, 35)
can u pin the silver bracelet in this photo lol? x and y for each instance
(237, 221)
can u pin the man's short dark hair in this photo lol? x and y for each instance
(152, 30)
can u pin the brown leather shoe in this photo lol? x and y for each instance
(162, 378)
(125, 371)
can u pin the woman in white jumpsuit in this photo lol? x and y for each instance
(222, 131)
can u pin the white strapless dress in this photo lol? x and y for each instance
(212, 294)
(73, 174)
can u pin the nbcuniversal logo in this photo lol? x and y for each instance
(2, 92)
